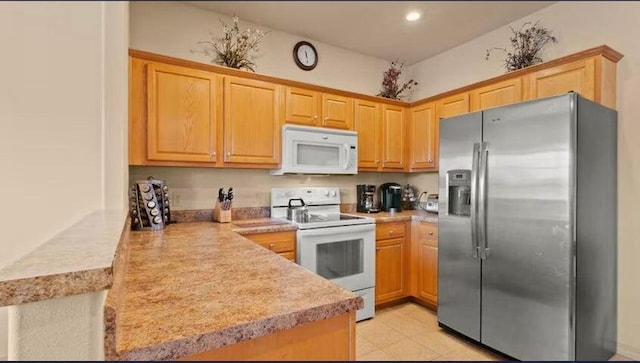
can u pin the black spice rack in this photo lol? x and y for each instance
(149, 205)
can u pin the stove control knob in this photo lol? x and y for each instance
(333, 193)
(326, 193)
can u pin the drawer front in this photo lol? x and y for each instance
(275, 241)
(289, 256)
(389, 230)
(428, 232)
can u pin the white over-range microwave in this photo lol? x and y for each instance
(317, 150)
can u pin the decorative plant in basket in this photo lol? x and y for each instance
(526, 42)
(234, 48)
(390, 86)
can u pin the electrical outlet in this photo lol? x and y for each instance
(175, 198)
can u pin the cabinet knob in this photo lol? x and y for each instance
(431, 160)
(271, 246)
(377, 249)
(228, 153)
(315, 117)
(430, 233)
(390, 232)
(212, 155)
(324, 122)
(377, 161)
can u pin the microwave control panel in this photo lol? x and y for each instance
(353, 157)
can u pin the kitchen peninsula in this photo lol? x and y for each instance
(201, 291)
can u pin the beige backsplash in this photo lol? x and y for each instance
(197, 188)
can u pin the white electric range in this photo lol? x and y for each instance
(337, 246)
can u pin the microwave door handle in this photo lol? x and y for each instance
(346, 156)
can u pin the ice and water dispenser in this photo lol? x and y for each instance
(459, 192)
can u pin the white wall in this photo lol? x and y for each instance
(578, 26)
(173, 29)
(62, 131)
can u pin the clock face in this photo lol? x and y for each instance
(305, 56)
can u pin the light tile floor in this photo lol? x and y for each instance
(410, 332)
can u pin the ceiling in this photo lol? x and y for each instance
(379, 28)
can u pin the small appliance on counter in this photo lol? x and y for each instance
(365, 198)
(390, 197)
(409, 197)
(149, 205)
(430, 205)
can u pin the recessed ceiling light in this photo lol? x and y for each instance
(413, 16)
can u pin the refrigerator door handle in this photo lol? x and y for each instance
(482, 202)
(474, 200)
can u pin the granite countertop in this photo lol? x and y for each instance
(408, 215)
(194, 287)
(76, 261)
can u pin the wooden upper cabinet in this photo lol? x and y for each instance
(311, 108)
(369, 129)
(181, 123)
(422, 137)
(393, 137)
(252, 120)
(337, 112)
(302, 106)
(578, 76)
(453, 105)
(497, 94)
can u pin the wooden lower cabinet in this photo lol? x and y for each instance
(326, 339)
(282, 243)
(425, 248)
(391, 261)
(407, 262)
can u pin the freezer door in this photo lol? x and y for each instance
(527, 285)
(458, 269)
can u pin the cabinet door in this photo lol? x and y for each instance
(422, 137)
(368, 127)
(393, 139)
(181, 122)
(390, 279)
(498, 94)
(251, 122)
(302, 106)
(428, 273)
(578, 76)
(453, 105)
(337, 112)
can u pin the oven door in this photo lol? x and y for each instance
(345, 255)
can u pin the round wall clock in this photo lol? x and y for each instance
(305, 55)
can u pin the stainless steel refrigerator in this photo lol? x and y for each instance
(527, 228)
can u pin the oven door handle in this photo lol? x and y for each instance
(328, 231)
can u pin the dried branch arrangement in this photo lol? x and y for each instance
(390, 86)
(527, 43)
(234, 48)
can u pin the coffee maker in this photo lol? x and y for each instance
(365, 197)
(390, 197)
